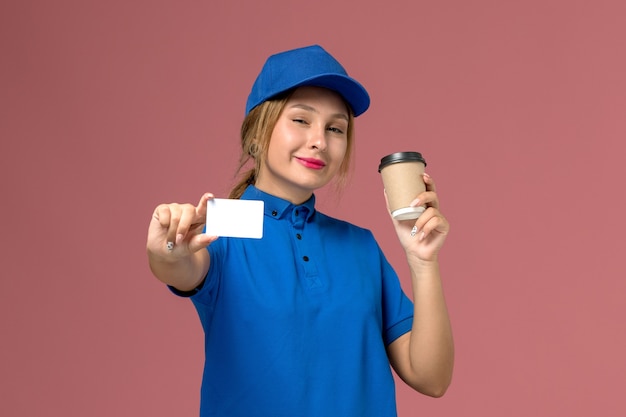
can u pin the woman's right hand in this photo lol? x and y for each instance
(175, 230)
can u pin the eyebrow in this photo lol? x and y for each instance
(314, 110)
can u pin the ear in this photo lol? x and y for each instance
(253, 150)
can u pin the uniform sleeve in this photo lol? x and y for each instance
(397, 308)
(204, 293)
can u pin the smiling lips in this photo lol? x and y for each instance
(312, 163)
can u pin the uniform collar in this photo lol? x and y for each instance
(276, 207)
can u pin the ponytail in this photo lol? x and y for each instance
(248, 178)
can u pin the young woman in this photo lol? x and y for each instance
(307, 320)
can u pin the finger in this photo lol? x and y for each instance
(430, 184)
(174, 224)
(201, 207)
(426, 199)
(430, 225)
(162, 215)
(188, 217)
(159, 226)
(425, 217)
(168, 217)
(201, 241)
(434, 222)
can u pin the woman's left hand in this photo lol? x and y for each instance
(431, 228)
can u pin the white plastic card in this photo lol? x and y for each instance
(234, 218)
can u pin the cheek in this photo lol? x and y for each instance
(278, 141)
(283, 137)
(339, 150)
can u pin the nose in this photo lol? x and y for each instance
(318, 138)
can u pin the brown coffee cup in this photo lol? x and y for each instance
(402, 175)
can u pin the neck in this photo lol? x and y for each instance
(294, 197)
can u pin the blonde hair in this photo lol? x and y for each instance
(256, 132)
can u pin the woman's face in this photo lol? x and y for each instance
(307, 145)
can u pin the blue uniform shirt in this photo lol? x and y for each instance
(296, 323)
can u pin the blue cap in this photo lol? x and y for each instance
(310, 66)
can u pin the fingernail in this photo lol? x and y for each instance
(170, 246)
(422, 236)
(426, 174)
(413, 231)
(415, 203)
(179, 239)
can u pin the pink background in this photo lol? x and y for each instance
(109, 108)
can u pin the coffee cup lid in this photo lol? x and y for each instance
(401, 157)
